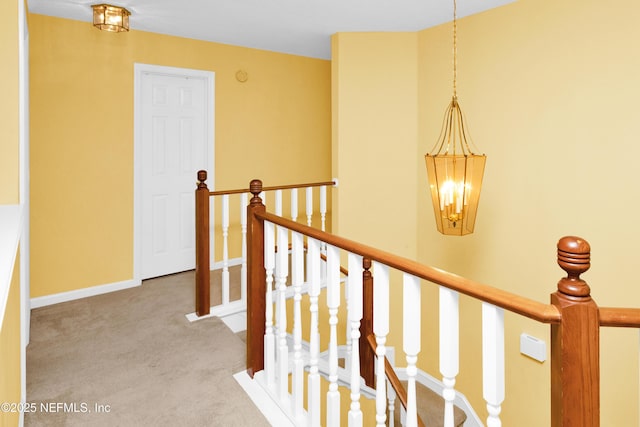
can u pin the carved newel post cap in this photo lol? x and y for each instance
(574, 257)
(255, 187)
(202, 177)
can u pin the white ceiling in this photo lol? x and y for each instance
(299, 27)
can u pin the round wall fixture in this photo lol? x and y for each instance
(242, 76)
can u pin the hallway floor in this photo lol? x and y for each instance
(131, 358)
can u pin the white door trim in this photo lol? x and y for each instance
(139, 70)
(25, 287)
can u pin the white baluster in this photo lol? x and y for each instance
(411, 342)
(243, 225)
(294, 217)
(269, 338)
(333, 303)
(279, 202)
(323, 213)
(297, 277)
(355, 316)
(225, 249)
(313, 405)
(212, 247)
(282, 271)
(323, 206)
(309, 213)
(294, 204)
(347, 327)
(278, 211)
(449, 349)
(493, 361)
(380, 330)
(391, 405)
(309, 205)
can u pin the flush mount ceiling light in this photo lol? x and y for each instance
(110, 18)
(455, 171)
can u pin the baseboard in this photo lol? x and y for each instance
(83, 293)
(236, 322)
(232, 262)
(263, 401)
(222, 310)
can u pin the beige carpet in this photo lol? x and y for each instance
(431, 408)
(134, 355)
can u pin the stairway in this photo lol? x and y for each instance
(431, 408)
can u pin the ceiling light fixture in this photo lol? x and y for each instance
(455, 171)
(110, 18)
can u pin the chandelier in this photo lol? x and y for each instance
(455, 171)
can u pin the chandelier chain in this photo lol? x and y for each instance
(455, 51)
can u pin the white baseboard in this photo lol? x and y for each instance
(219, 265)
(222, 310)
(263, 401)
(236, 322)
(83, 293)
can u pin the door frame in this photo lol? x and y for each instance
(25, 194)
(139, 71)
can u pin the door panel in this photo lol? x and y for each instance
(174, 148)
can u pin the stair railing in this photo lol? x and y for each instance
(395, 384)
(205, 256)
(573, 316)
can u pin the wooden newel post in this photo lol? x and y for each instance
(256, 282)
(575, 369)
(203, 270)
(367, 356)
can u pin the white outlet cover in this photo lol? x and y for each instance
(533, 347)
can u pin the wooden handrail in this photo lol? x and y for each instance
(535, 310)
(619, 317)
(574, 316)
(277, 187)
(343, 270)
(202, 198)
(392, 377)
(228, 192)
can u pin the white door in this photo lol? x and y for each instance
(174, 131)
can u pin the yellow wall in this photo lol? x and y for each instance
(10, 366)
(375, 100)
(374, 137)
(9, 105)
(274, 127)
(550, 92)
(10, 350)
(549, 88)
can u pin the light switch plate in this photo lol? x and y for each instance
(533, 347)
